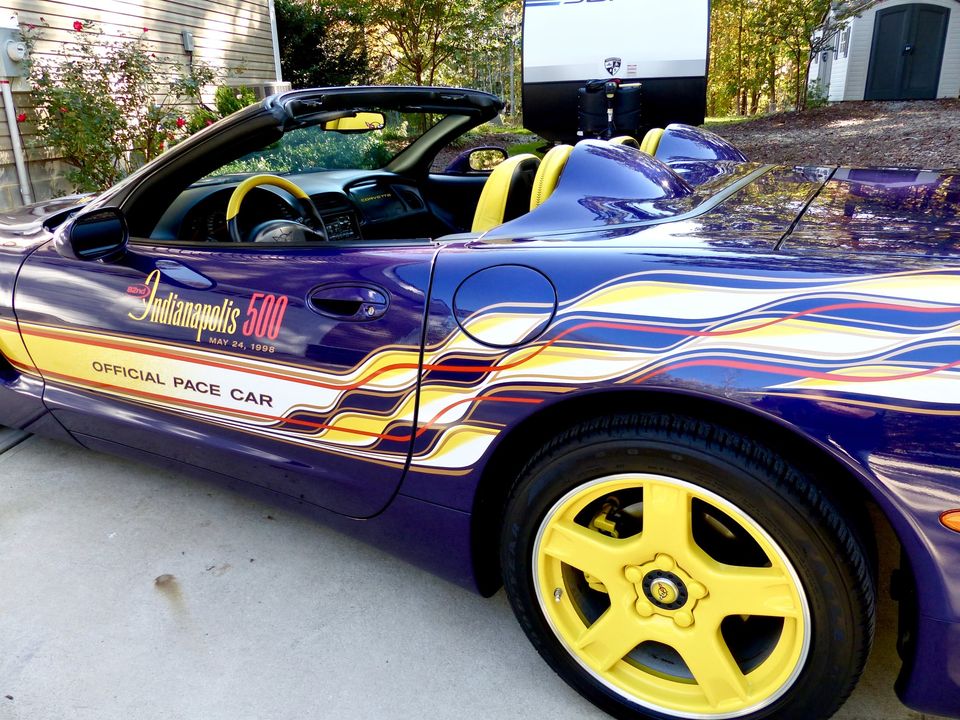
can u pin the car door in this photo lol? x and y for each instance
(294, 368)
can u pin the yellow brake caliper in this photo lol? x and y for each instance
(603, 524)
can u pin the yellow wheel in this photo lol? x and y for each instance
(675, 569)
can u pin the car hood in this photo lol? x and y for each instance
(884, 212)
(23, 229)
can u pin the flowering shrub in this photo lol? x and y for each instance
(104, 106)
(227, 100)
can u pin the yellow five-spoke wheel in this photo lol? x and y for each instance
(671, 568)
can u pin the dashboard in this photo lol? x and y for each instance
(354, 205)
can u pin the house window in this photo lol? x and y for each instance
(845, 42)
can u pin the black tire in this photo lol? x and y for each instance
(758, 496)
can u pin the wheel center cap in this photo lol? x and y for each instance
(664, 589)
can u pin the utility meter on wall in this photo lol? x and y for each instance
(13, 52)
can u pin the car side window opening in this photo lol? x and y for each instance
(369, 140)
(343, 168)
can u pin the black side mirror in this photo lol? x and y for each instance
(476, 160)
(101, 234)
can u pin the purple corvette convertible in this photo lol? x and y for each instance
(661, 393)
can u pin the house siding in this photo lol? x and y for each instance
(838, 74)
(950, 74)
(230, 35)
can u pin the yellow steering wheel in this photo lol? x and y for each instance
(309, 216)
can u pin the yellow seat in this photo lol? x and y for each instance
(625, 140)
(506, 193)
(651, 141)
(548, 174)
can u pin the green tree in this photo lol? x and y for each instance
(490, 59)
(322, 43)
(740, 58)
(761, 50)
(422, 37)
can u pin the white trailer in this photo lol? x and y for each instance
(663, 44)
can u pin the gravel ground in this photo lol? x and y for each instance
(923, 134)
(902, 134)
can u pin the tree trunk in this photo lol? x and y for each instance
(798, 61)
(806, 85)
(740, 103)
(773, 80)
(513, 85)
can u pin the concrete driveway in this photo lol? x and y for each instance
(128, 592)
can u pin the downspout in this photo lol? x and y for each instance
(16, 142)
(276, 39)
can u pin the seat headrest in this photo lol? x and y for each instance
(506, 193)
(651, 141)
(549, 174)
(625, 140)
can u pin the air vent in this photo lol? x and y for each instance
(266, 89)
(330, 202)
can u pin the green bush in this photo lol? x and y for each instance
(104, 106)
(307, 149)
(199, 118)
(230, 99)
(817, 95)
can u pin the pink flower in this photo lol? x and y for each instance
(181, 122)
(31, 26)
(146, 30)
(22, 117)
(63, 109)
(209, 121)
(77, 25)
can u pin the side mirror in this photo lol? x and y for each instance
(101, 234)
(477, 160)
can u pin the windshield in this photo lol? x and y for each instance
(316, 147)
